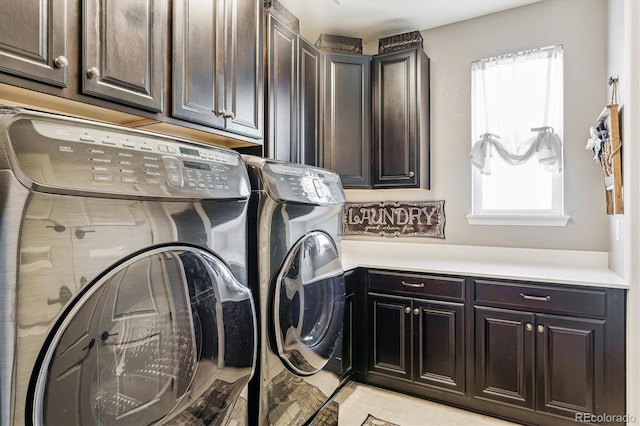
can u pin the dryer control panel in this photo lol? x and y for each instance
(63, 156)
(302, 184)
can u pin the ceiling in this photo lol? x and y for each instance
(371, 19)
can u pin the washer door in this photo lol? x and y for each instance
(160, 335)
(308, 308)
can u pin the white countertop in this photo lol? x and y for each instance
(555, 266)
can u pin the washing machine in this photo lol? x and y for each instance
(123, 276)
(295, 218)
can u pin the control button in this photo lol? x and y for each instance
(191, 184)
(129, 179)
(171, 163)
(201, 185)
(128, 144)
(174, 173)
(172, 149)
(175, 179)
(86, 138)
(153, 181)
(102, 178)
(163, 148)
(101, 160)
(146, 147)
(211, 186)
(107, 141)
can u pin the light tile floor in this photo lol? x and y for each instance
(357, 401)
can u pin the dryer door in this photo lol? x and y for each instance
(308, 304)
(167, 333)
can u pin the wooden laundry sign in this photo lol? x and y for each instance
(395, 219)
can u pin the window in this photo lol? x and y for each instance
(516, 155)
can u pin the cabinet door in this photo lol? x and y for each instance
(197, 90)
(390, 336)
(124, 48)
(33, 39)
(243, 67)
(398, 125)
(346, 110)
(282, 51)
(308, 103)
(504, 356)
(439, 345)
(346, 359)
(570, 365)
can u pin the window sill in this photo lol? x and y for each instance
(518, 219)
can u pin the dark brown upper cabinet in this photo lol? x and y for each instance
(33, 40)
(217, 64)
(308, 103)
(401, 119)
(282, 111)
(292, 95)
(123, 51)
(346, 116)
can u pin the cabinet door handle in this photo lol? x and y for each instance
(528, 326)
(541, 329)
(93, 72)
(411, 174)
(416, 285)
(407, 310)
(61, 61)
(222, 112)
(538, 298)
(230, 114)
(416, 311)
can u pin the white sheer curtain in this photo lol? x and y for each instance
(516, 108)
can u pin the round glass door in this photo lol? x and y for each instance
(153, 338)
(309, 298)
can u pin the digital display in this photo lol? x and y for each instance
(195, 165)
(188, 151)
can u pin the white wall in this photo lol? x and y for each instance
(451, 49)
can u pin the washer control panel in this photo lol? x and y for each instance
(58, 155)
(303, 184)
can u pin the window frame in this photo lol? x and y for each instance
(555, 216)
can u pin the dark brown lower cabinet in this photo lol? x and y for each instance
(420, 341)
(346, 352)
(533, 353)
(557, 350)
(439, 345)
(570, 365)
(549, 363)
(504, 353)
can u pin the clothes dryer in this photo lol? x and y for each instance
(298, 282)
(123, 276)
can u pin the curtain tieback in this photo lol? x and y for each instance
(546, 143)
